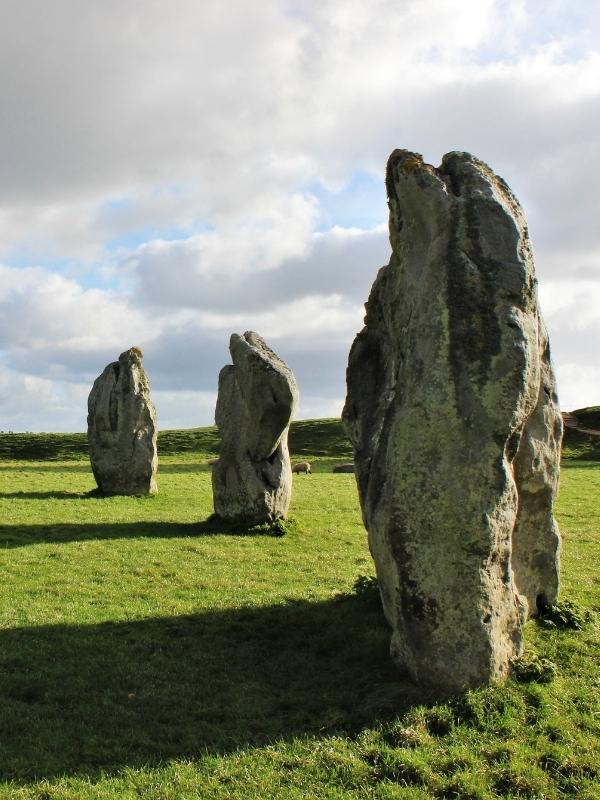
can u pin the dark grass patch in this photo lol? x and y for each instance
(565, 615)
(22, 535)
(588, 417)
(580, 446)
(100, 697)
(319, 437)
(367, 588)
(532, 668)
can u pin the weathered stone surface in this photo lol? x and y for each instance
(122, 428)
(257, 397)
(453, 415)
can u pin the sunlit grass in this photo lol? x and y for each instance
(145, 653)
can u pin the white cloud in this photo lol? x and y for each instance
(43, 311)
(313, 319)
(167, 160)
(577, 385)
(207, 266)
(317, 406)
(570, 309)
(31, 403)
(183, 409)
(240, 271)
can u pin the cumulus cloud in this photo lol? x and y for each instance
(242, 271)
(22, 395)
(571, 313)
(44, 312)
(165, 175)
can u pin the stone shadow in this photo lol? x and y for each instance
(165, 468)
(97, 698)
(56, 495)
(12, 536)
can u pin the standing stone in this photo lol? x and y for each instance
(122, 428)
(453, 415)
(252, 480)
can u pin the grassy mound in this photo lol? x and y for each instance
(588, 417)
(579, 445)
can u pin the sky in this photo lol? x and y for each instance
(173, 172)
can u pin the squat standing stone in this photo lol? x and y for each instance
(453, 415)
(252, 480)
(122, 428)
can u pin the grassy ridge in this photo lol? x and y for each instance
(61, 446)
(585, 446)
(588, 417)
(323, 437)
(144, 652)
(320, 438)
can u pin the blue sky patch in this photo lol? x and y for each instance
(362, 203)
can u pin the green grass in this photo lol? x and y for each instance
(581, 446)
(61, 446)
(147, 652)
(584, 446)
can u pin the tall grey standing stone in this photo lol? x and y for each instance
(122, 428)
(453, 415)
(252, 480)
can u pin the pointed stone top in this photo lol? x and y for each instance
(133, 355)
(252, 346)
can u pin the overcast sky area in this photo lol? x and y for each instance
(173, 172)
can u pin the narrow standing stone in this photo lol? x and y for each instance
(252, 480)
(454, 419)
(122, 428)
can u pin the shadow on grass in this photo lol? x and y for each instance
(584, 463)
(45, 495)
(47, 466)
(84, 699)
(170, 467)
(12, 536)
(166, 468)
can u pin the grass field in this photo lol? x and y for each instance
(144, 653)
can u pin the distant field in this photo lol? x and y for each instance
(323, 437)
(318, 438)
(145, 653)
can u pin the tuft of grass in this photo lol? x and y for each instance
(367, 588)
(244, 527)
(565, 614)
(532, 668)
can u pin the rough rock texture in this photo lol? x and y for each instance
(122, 428)
(453, 414)
(252, 479)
